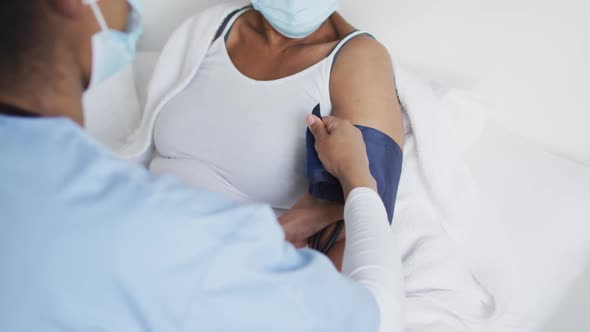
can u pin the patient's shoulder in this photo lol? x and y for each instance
(364, 50)
(362, 66)
(362, 87)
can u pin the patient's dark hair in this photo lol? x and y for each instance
(20, 33)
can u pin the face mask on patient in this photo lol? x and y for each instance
(296, 18)
(113, 50)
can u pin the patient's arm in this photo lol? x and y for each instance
(323, 214)
(362, 88)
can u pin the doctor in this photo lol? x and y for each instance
(91, 243)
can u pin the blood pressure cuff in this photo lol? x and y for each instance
(385, 163)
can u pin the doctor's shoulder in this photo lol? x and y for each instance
(124, 190)
(173, 213)
(72, 176)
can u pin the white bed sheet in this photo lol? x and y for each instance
(544, 203)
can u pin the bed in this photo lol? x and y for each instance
(527, 61)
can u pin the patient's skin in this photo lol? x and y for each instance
(362, 86)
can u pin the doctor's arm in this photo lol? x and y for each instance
(300, 290)
(252, 280)
(371, 255)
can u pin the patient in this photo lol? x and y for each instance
(274, 61)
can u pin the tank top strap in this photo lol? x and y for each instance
(229, 21)
(336, 50)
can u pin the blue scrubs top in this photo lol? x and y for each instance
(91, 243)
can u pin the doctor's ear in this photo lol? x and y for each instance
(68, 8)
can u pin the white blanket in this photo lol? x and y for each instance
(445, 290)
(439, 215)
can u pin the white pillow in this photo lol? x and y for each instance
(144, 67)
(112, 109)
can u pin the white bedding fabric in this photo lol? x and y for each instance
(439, 213)
(543, 200)
(103, 105)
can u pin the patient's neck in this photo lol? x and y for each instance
(277, 40)
(52, 90)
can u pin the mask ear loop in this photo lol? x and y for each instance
(97, 13)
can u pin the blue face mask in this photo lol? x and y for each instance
(296, 18)
(113, 50)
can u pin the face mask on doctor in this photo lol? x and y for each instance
(113, 50)
(296, 18)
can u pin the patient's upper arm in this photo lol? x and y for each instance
(362, 87)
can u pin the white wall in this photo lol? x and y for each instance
(163, 16)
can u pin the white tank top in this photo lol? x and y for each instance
(241, 137)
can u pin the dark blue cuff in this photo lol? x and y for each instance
(385, 162)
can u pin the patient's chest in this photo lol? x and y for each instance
(230, 134)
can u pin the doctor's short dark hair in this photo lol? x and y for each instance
(21, 23)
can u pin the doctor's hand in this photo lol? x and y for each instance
(342, 151)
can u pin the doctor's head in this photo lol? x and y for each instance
(47, 38)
